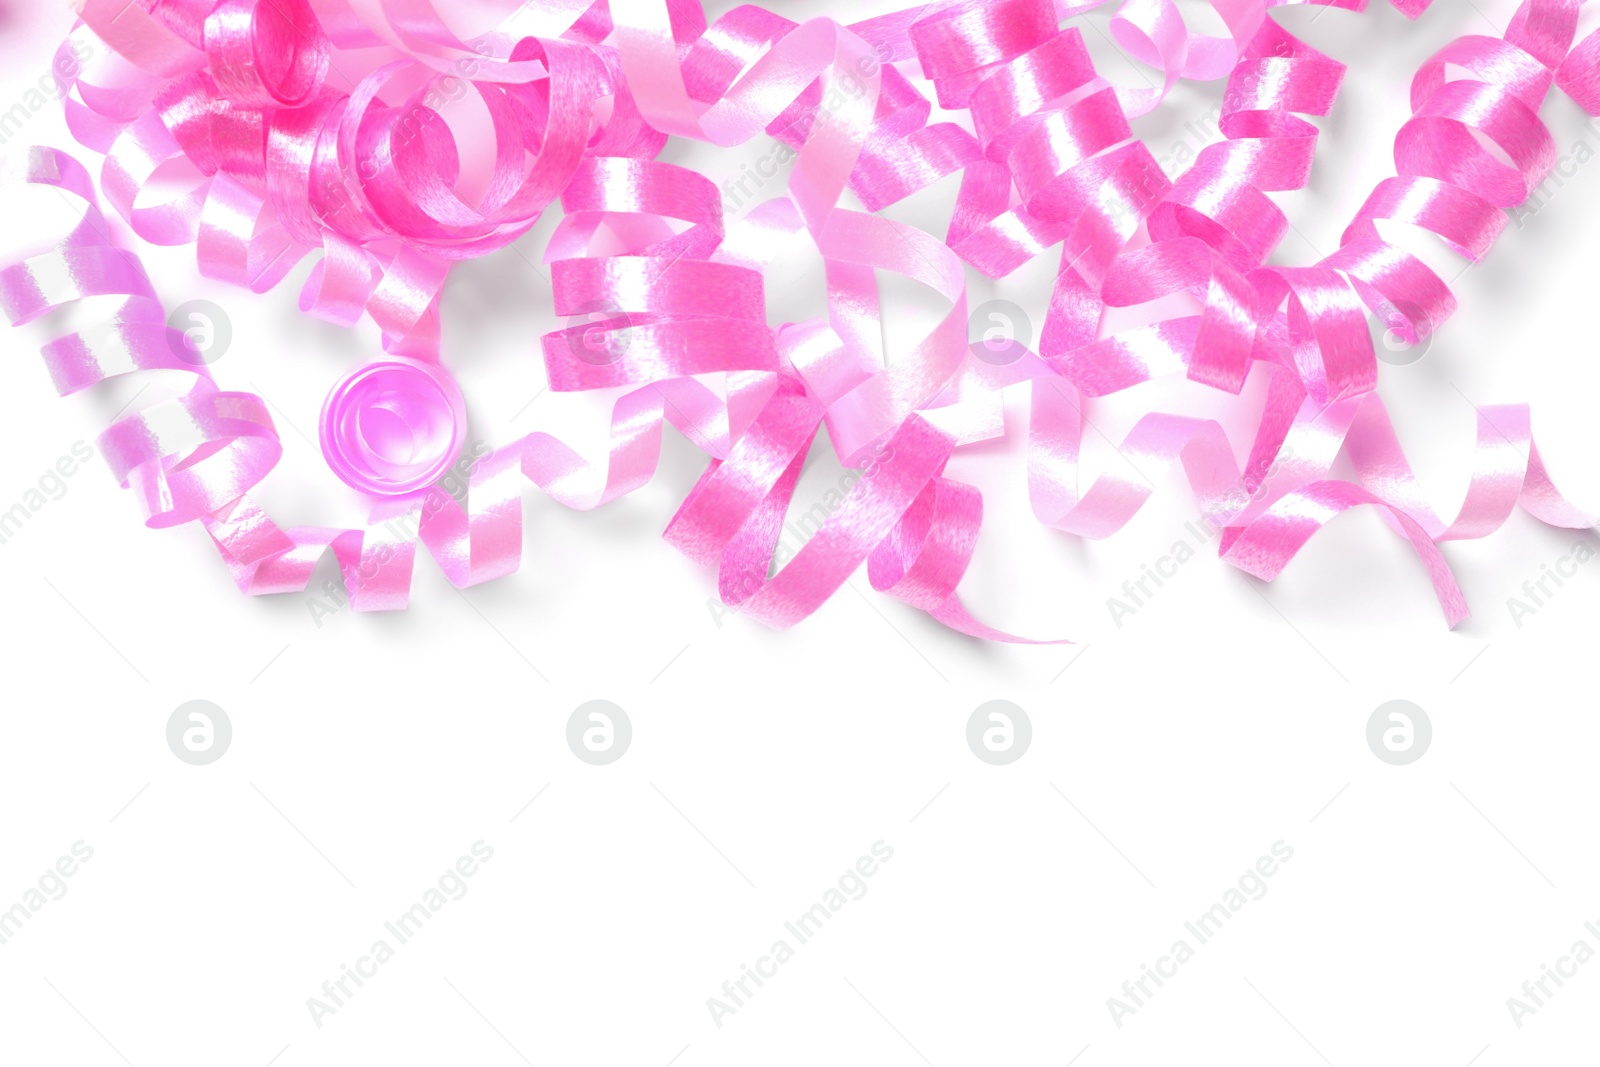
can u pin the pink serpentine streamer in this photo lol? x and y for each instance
(582, 97)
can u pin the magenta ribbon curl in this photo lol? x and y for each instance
(289, 157)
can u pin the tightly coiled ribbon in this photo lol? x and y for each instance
(290, 157)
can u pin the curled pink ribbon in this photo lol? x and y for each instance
(393, 427)
(291, 159)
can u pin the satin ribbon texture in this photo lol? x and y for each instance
(663, 273)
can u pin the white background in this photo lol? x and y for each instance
(370, 752)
